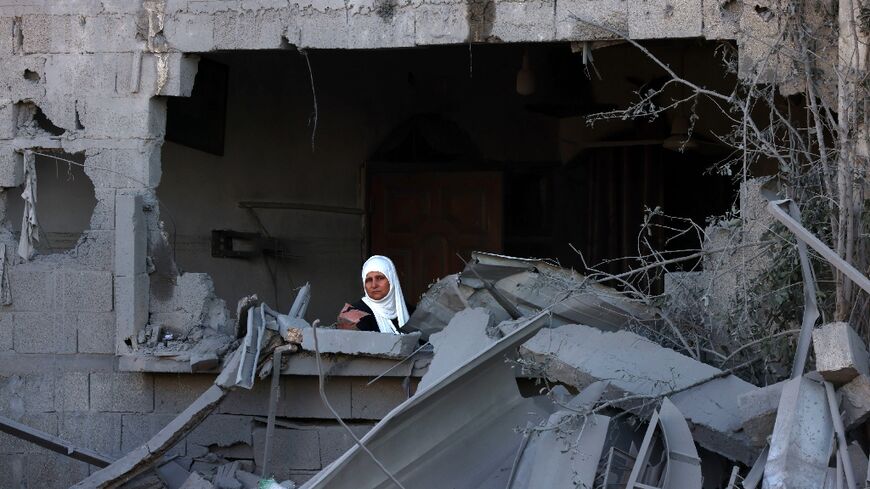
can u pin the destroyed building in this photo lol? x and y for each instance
(162, 161)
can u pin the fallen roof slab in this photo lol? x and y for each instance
(459, 433)
(635, 366)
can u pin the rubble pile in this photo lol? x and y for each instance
(704, 427)
(613, 409)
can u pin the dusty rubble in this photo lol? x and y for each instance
(616, 409)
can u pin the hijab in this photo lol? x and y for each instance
(392, 305)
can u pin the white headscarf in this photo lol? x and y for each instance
(393, 304)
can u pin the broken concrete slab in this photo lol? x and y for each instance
(536, 285)
(856, 401)
(758, 409)
(196, 481)
(579, 355)
(802, 436)
(365, 343)
(426, 442)
(463, 338)
(840, 353)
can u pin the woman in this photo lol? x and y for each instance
(383, 306)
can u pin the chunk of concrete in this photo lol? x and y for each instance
(856, 401)
(366, 343)
(801, 443)
(579, 355)
(463, 338)
(840, 353)
(438, 305)
(196, 481)
(758, 408)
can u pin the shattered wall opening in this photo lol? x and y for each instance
(65, 201)
(291, 199)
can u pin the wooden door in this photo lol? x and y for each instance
(422, 220)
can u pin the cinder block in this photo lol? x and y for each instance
(663, 19)
(103, 218)
(69, 78)
(322, 26)
(122, 392)
(46, 422)
(190, 32)
(721, 20)
(7, 41)
(376, 400)
(840, 353)
(45, 33)
(758, 408)
(12, 470)
(291, 450)
(299, 399)
(95, 250)
(610, 13)
(525, 21)
(134, 116)
(8, 118)
(7, 326)
(23, 77)
(856, 401)
(442, 23)
(249, 29)
(130, 234)
(43, 332)
(124, 168)
(174, 392)
(97, 431)
(96, 332)
(222, 430)
(335, 440)
(116, 33)
(54, 470)
(372, 24)
(11, 167)
(86, 291)
(71, 391)
(136, 429)
(131, 308)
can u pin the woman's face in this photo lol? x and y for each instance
(377, 286)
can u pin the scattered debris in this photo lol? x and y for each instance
(802, 432)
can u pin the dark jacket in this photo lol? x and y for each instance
(369, 323)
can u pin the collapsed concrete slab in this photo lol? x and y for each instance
(758, 409)
(641, 371)
(856, 401)
(459, 432)
(463, 338)
(840, 353)
(801, 443)
(365, 343)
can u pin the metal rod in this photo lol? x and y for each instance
(842, 447)
(273, 404)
